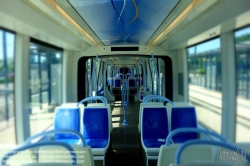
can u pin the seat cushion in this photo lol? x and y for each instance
(183, 117)
(153, 143)
(97, 143)
(95, 123)
(66, 118)
(154, 123)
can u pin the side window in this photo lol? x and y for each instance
(242, 49)
(45, 89)
(7, 108)
(204, 68)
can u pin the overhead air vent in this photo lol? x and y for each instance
(124, 48)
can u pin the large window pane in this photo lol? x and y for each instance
(242, 46)
(204, 64)
(7, 115)
(45, 85)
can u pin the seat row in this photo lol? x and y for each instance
(92, 120)
(157, 119)
(116, 82)
(60, 153)
(203, 152)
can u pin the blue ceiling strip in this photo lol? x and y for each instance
(112, 1)
(118, 36)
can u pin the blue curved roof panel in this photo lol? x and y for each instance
(124, 21)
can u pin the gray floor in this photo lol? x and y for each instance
(125, 148)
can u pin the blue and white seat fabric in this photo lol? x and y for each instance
(148, 104)
(183, 117)
(68, 118)
(117, 81)
(154, 127)
(96, 125)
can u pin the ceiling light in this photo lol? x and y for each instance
(176, 21)
(72, 21)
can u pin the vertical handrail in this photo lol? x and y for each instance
(108, 62)
(157, 75)
(152, 81)
(141, 62)
(125, 94)
(93, 75)
(97, 82)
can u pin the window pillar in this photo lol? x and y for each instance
(228, 86)
(22, 87)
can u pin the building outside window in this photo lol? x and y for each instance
(204, 71)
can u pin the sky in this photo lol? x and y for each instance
(10, 44)
(210, 45)
(242, 32)
(215, 43)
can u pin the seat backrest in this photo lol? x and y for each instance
(97, 105)
(131, 81)
(66, 118)
(117, 82)
(194, 153)
(181, 117)
(95, 123)
(226, 145)
(234, 157)
(154, 122)
(140, 111)
(152, 104)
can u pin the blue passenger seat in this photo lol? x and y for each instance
(96, 127)
(117, 82)
(131, 82)
(154, 126)
(182, 117)
(67, 118)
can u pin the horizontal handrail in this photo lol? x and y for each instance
(194, 130)
(103, 99)
(148, 96)
(159, 98)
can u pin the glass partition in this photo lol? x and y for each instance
(7, 108)
(204, 68)
(242, 48)
(45, 91)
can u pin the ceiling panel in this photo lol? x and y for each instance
(123, 21)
